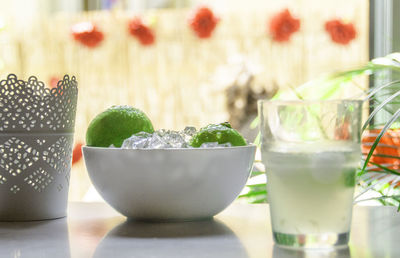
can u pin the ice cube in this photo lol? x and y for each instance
(188, 133)
(209, 145)
(157, 141)
(143, 134)
(215, 145)
(166, 139)
(226, 144)
(136, 141)
(189, 130)
(162, 132)
(175, 139)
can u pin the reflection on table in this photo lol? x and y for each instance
(184, 239)
(242, 230)
(47, 238)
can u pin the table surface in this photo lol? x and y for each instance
(242, 230)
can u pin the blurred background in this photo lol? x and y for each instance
(187, 62)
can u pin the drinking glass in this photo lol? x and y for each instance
(311, 150)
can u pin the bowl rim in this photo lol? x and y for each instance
(249, 146)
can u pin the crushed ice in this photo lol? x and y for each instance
(166, 139)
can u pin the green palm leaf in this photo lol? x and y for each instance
(378, 108)
(378, 138)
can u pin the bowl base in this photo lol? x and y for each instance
(171, 220)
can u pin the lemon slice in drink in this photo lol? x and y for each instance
(115, 124)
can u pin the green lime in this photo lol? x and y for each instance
(349, 177)
(116, 124)
(221, 133)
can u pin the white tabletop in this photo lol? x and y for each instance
(242, 230)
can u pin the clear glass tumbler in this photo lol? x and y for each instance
(311, 150)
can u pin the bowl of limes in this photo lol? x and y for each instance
(165, 175)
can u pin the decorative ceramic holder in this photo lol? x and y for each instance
(36, 139)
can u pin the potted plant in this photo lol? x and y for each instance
(379, 172)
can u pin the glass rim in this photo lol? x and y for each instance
(306, 102)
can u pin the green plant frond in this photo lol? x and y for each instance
(255, 123)
(378, 138)
(331, 91)
(389, 199)
(261, 200)
(383, 197)
(257, 185)
(257, 140)
(387, 62)
(378, 108)
(386, 156)
(296, 93)
(395, 125)
(322, 88)
(253, 193)
(383, 98)
(388, 170)
(326, 86)
(373, 168)
(376, 90)
(256, 173)
(386, 188)
(350, 74)
(370, 184)
(395, 57)
(387, 108)
(377, 103)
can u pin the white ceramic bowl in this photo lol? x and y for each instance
(169, 184)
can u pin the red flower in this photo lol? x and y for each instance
(203, 22)
(77, 153)
(87, 34)
(283, 25)
(53, 82)
(141, 32)
(341, 33)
